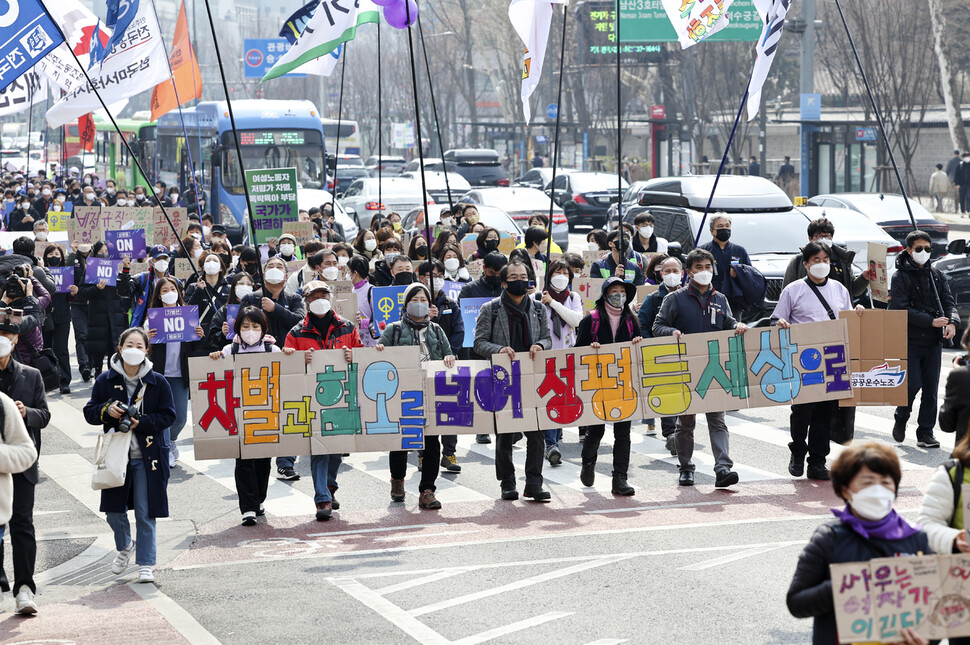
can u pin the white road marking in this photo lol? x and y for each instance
(607, 641)
(71, 422)
(391, 538)
(379, 530)
(725, 559)
(181, 620)
(388, 610)
(511, 628)
(73, 474)
(651, 508)
(417, 582)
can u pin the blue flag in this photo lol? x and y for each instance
(27, 35)
(120, 15)
(97, 51)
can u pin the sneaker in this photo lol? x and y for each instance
(899, 431)
(65, 389)
(671, 445)
(249, 518)
(171, 459)
(483, 438)
(725, 478)
(333, 497)
(287, 474)
(122, 559)
(86, 374)
(553, 455)
(175, 450)
(324, 511)
(450, 463)
(428, 500)
(651, 430)
(261, 512)
(819, 473)
(146, 574)
(25, 603)
(928, 441)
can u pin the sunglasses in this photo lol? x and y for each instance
(917, 249)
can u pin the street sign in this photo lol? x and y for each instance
(645, 21)
(811, 107)
(551, 111)
(868, 133)
(260, 54)
(658, 112)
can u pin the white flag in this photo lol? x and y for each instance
(322, 66)
(773, 14)
(696, 21)
(137, 64)
(78, 25)
(17, 97)
(531, 20)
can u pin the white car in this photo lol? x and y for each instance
(308, 198)
(368, 196)
(522, 203)
(437, 188)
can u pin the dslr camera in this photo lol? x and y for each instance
(129, 414)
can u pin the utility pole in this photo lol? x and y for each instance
(806, 86)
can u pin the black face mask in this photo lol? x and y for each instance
(421, 251)
(517, 287)
(723, 234)
(52, 261)
(491, 280)
(404, 278)
(226, 258)
(621, 248)
(491, 245)
(251, 269)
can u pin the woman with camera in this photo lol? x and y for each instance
(131, 397)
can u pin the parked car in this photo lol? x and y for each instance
(585, 197)
(415, 164)
(307, 198)
(521, 204)
(390, 165)
(956, 267)
(368, 196)
(539, 178)
(435, 183)
(490, 216)
(629, 200)
(343, 177)
(480, 166)
(889, 211)
(344, 161)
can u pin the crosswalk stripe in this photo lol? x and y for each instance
(73, 474)
(377, 465)
(71, 422)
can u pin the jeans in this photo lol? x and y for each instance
(324, 471)
(534, 452)
(145, 542)
(252, 482)
(285, 462)
(23, 542)
(924, 374)
(812, 421)
(553, 437)
(180, 394)
(57, 338)
(621, 445)
(429, 465)
(719, 441)
(79, 318)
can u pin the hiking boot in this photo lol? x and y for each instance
(725, 478)
(397, 490)
(509, 493)
(333, 497)
(483, 438)
(587, 475)
(899, 431)
(553, 455)
(536, 493)
(324, 511)
(620, 485)
(671, 445)
(450, 463)
(796, 465)
(819, 473)
(428, 500)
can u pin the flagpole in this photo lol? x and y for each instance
(380, 126)
(232, 121)
(555, 149)
(417, 134)
(619, 141)
(30, 118)
(340, 114)
(434, 109)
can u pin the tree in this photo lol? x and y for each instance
(948, 82)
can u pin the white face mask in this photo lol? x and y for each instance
(121, 202)
(243, 290)
(330, 273)
(212, 267)
(206, 230)
(139, 197)
(820, 270)
(275, 275)
(46, 192)
(646, 231)
(161, 266)
(873, 503)
(89, 197)
(342, 260)
(593, 246)
(6, 346)
(921, 257)
(197, 253)
(41, 236)
(234, 261)
(56, 208)
(251, 336)
(370, 245)
(452, 265)
(197, 236)
(320, 307)
(170, 297)
(703, 278)
(559, 281)
(446, 221)
(287, 249)
(133, 356)
(825, 241)
(673, 280)
(174, 197)
(84, 248)
(389, 258)
(438, 284)
(111, 191)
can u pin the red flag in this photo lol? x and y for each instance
(85, 130)
(186, 82)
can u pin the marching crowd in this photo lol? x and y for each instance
(142, 388)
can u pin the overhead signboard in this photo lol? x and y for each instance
(260, 54)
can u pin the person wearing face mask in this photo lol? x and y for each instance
(727, 256)
(816, 298)
(671, 276)
(217, 235)
(366, 246)
(696, 309)
(536, 243)
(867, 477)
(40, 206)
(611, 321)
(57, 325)
(24, 216)
(646, 241)
(417, 329)
(172, 198)
(287, 248)
(106, 315)
(323, 328)
(250, 263)
(382, 276)
(219, 330)
(41, 230)
(141, 198)
(925, 293)
(363, 290)
(402, 271)
(487, 286)
(130, 380)
(111, 193)
(469, 217)
(210, 291)
(251, 475)
(487, 241)
(454, 264)
(310, 269)
(612, 266)
(80, 307)
(136, 290)
(506, 325)
(25, 386)
(327, 265)
(88, 197)
(418, 248)
(822, 231)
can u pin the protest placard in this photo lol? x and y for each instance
(302, 231)
(592, 256)
(129, 243)
(589, 290)
(879, 286)
(475, 269)
(878, 357)
(344, 299)
(452, 288)
(161, 231)
(469, 244)
(63, 278)
(388, 302)
(58, 221)
(173, 324)
(272, 192)
(182, 268)
(98, 269)
(231, 312)
(470, 308)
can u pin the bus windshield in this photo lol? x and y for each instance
(262, 149)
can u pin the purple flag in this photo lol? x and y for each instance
(130, 243)
(99, 269)
(63, 278)
(231, 312)
(174, 324)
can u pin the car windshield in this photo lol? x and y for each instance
(584, 183)
(516, 199)
(766, 232)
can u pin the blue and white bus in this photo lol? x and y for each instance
(272, 134)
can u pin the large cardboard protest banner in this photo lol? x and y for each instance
(878, 358)
(875, 600)
(88, 224)
(272, 192)
(357, 405)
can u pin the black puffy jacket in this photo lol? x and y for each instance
(912, 290)
(810, 593)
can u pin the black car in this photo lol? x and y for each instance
(956, 267)
(343, 177)
(585, 197)
(481, 167)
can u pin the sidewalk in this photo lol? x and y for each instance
(955, 221)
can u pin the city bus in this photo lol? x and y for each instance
(349, 136)
(272, 134)
(111, 158)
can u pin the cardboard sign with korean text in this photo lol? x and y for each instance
(878, 357)
(589, 290)
(161, 231)
(272, 192)
(344, 299)
(173, 324)
(182, 269)
(302, 231)
(879, 287)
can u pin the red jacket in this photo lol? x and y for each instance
(342, 333)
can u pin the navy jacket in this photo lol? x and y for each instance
(158, 413)
(608, 265)
(691, 312)
(912, 290)
(649, 310)
(723, 259)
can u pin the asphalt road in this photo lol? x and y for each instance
(670, 564)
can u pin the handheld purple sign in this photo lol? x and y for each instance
(63, 278)
(98, 269)
(128, 243)
(173, 324)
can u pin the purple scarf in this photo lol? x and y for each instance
(891, 527)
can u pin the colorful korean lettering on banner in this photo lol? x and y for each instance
(357, 402)
(88, 224)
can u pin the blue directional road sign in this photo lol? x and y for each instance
(260, 54)
(552, 110)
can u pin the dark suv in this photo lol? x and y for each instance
(480, 166)
(956, 267)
